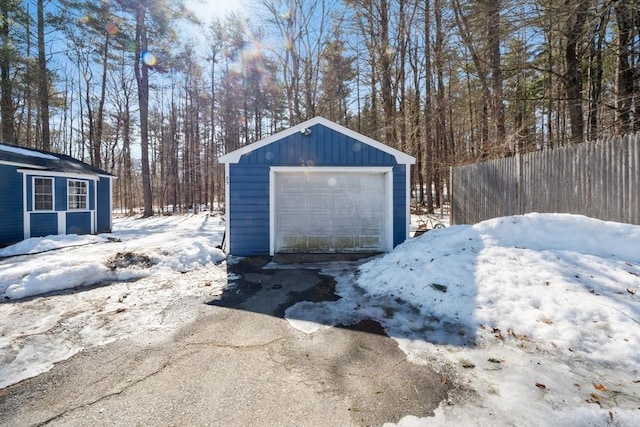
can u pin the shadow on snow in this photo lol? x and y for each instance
(322, 294)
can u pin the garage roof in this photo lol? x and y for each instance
(234, 156)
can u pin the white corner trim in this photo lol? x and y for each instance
(62, 222)
(272, 211)
(408, 202)
(234, 156)
(227, 210)
(94, 214)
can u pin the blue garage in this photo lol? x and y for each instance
(317, 187)
(43, 193)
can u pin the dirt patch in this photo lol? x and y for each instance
(129, 259)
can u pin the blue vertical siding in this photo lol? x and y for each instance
(78, 223)
(249, 182)
(103, 206)
(249, 209)
(324, 147)
(60, 194)
(29, 193)
(11, 209)
(399, 204)
(44, 224)
(91, 197)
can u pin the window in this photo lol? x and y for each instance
(43, 194)
(77, 194)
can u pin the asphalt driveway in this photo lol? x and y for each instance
(239, 363)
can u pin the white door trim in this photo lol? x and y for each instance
(386, 170)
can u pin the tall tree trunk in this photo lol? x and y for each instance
(493, 29)
(573, 77)
(142, 79)
(624, 71)
(388, 104)
(43, 82)
(97, 143)
(428, 110)
(6, 107)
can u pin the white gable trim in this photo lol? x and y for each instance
(234, 156)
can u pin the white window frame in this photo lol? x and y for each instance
(53, 194)
(71, 184)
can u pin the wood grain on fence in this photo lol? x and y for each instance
(599, 179)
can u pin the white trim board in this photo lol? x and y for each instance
(48, 174)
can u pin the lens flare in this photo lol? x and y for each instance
(149, 59)
(111, 28)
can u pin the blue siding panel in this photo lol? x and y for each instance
(91, 202)
(399, 205)
(11, 210)
(44, 224)
(249, 209)
(103, 208)
(29, 193)
(78, 223)
(60, 194)
(324, 147)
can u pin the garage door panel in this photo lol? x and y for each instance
(345, 243)
(294, 243)
(372, 184)
(344, 225)
(292, 203)
(319, 203)
(369, 242)
(345, 204)
(330, 212)
(290, 183)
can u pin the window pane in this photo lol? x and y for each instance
(43, 194)
(77, 191)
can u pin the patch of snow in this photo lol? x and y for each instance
(146, 278)
(27, 152)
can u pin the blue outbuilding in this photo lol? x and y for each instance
(317, 187)
(43, 193)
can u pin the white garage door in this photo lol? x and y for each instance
(325, 212)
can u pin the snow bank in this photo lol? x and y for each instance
(541, 308)
(175, 264)
(152, 246)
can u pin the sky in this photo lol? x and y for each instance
(535, 318)
(205, 10)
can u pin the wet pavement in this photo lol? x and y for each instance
(239, 363)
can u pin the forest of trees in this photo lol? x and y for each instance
(147, 91)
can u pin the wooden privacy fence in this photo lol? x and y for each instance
(599, 179)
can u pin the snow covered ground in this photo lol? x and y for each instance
(539, 314)
(148, 278)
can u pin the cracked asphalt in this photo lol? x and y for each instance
(239, 364)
